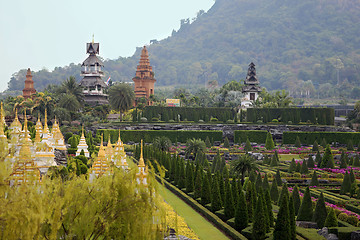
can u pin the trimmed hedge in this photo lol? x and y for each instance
(310, 137)
(149, 135)
(323, 116)
(343, 233)
(228, 230)
(188, 113)
(258, 136)
(309, 233)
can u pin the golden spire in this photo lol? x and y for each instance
(45, 124)
(141, 160)
(2, 130)
(2, 114)
(119, 140)
(93, 38)
(25, 121)
(16, 122)
(101, 149)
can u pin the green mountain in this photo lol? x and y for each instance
(290, 42)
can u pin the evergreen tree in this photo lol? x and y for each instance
(269, 208)
(296, 198)
(259, 225)
(304, 169)
(298, 167)
(314, 179)
(252, 177)
(226, 143)
(206, 190)
(328, 159)
(229, 209)
(278, 178)
(318, 159)
(248, 146)
(357, 161)
(235, 193)
(323, 143)
(274, 192)
(269, 143)
(214, 163)
(297, 142)
(320, 212)
(182, 175)
(254, 196)
(343, 160)
(265, 184)
(350, 146)
(258, 183)
(241, 214)
(292, 219)
(189, 178)
(198, 184)
(331, 219)
(276, 154)
(273, 162)
(351, 161)
(315, 147)
(215, 197)
(266, 213)
(249, 201)
(352, 176)
(306, 209)
(346, 184)
(292, 167)
(284, 191)
(310, 162)
(282, 225)
(207, 142)
(221, 185)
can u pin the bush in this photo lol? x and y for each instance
(353, 220)
(154, 119)
(331, 220)
(306, 209)
(275, 120)
(258, 136)
(230, 121)
(143, 119)
(310, 137)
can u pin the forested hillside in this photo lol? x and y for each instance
(291, 42)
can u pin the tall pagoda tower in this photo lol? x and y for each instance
(92, 83)
(251, 89)
(144, 79)
(29, 85)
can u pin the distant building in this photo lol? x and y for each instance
(251, 89)
(29, 85)
(92, 83)
(144, 79)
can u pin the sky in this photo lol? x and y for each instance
(42, 34)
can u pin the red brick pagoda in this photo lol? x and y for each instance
(29, 85)
(144, 79)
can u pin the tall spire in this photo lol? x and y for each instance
(29, 85)
(141, 160)
(2, 114)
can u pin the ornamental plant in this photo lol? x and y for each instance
(304, 169)
(274, 192)
(315, 147)
(297, 142)
(248, 146)
(259, 225)
(241, 213)
(331, 219)
(306, 209)
(269, 143)
(278, 178)
(296, 198)
(265, 184)
(269, 208)
(292, 167)
(328, 159)
(258, 183)
(320, 212)
(310, 162)
(282, 225)
(206, 190)
(346, 184)
(292, 222)
(226, 143)
(314, 179)
(216, 203)
(229, 209)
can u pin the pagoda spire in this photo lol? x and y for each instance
(141, 160)
(29, 85)
(2, 114)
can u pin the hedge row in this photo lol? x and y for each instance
(189, 113)
(343, 233)
(310, 137)
(324, 116)
(228, 230)
(258, 136)
(149, 135)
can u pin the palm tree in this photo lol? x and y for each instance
(121, 97)
(243, 164)
(194, 146)
(70, 86)
(69, 102)
(163, 143)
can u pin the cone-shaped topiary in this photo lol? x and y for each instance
(284, 191)
(258, 183)
(352, 176)
(207, 142)
(310, 162)
(226, 143)
(205, 190)
(304, 169)
(249, 201)
(229, 209)
(297, 142)
(315, 147)
(248, 146)
(318, 159)
(273, 162)
(267, 224)
(298, 167)
(241, 213)
(350, 146)
(343, 163)
(292, 219)
(269, 208)
(357, 161)
(306, 209)
(282, 225)
(189, 178)
(265, 184)
(198, 184)
(346, 184)
(323, 143)
(259, 225)
(254, 196)
(215, 197)
(296, 198)
(215, 162)
(331, 219)
(235, 193)
(252, 177)
(292, 167)
(269, 143)
(328, 159)
(278, 178)
(320, 212)
(314, 179)
(274, 192)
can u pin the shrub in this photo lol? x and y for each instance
(324, 137)
(230, 121)
(143, 119)
(343, 217)
(257, 136)
(241, 214)
(320, 212)
(315, 147)
(259, 226)
(269, 143)
(282, 225)
(314, 180)
(306, 209)
(297, 142)
(331, 220)
(275, 120)
(226, 143)
(248, 146)
(213, 119)
(297, 200)
(328, 159)
(346, 184)
(353, 220)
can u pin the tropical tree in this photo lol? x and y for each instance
(194, 146)
(163, 143)
(121, 97)
(244, 164)
(70, 86)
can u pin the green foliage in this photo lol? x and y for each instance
(248, 146)
(259, 223)
(350, 146)
(244, 164)
(310, 162)
(265, 184)
(258, 183)
(320, 212)
(346, 184)
(314, 179)
(328, 159)
(357, 161)
(284, 191)
(331, 219)
(352, 176)
(249, 201)
(324, 116)
(216, 203)
(194, 146)
(306, 210)
(241, 214)
(274, 192)
(278, 178)
(292, 166)
(297, 142)
(296, 198)
(258, 136)
(282, 225)
(207, 142)
(206, 190)
(198, 183)
(270, 213)
(315, 147)
(189, 178)
(163, 143)
(121, 97)
(304, 169)
(229, 206)
(343, 158)
(269, 143)
(226, 143)
(149, 135)
(311, 137)
(273, 162)
(292, 221)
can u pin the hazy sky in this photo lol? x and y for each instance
(47, 33)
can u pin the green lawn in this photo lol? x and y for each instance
(202, 228)
(288, 157)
